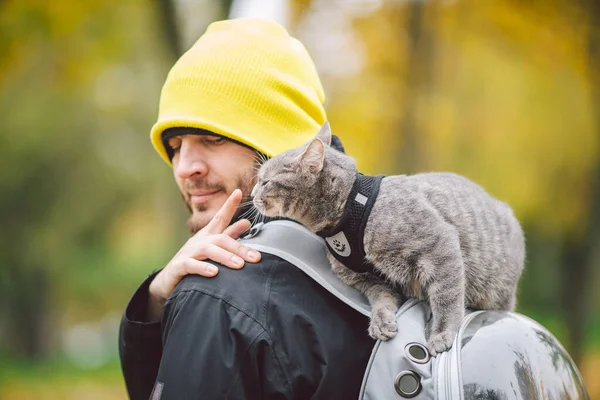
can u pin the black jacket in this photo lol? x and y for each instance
(267, 331)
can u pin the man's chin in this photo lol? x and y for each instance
(197, 221)
(203, 213)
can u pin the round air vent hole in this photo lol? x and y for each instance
(417, 352)
(407, 384)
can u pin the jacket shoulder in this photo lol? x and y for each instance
(246, 289)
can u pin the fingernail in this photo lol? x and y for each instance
(212, 269)
(237, 261)
(253, 254)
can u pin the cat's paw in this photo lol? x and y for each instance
(383, 324)
(440, 342)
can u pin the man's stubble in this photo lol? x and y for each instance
(244, 182)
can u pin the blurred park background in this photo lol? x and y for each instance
(505, 92)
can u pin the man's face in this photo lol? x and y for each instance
(207, 170)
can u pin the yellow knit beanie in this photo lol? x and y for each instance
(246, 79)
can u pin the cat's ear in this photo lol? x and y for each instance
(325, 134)
(313, 156)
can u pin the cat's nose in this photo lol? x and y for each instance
(254, 190)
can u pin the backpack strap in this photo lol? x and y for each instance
(307, 251)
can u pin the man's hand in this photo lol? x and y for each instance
(216, 241)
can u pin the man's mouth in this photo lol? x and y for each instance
(200, 197)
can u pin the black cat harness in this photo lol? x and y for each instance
(345, 240)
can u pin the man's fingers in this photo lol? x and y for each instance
(235, 230)
(223, 217)
(193, 266)
(237, 248)
(222, 256)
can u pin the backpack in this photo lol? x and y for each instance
(496, 355)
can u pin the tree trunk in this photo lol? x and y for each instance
(24, 307)
(29, 319)
(167, 12)
(418, 79)
(168, 19)
(575, 270)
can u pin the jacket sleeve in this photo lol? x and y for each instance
(214, 350)
(140, 346)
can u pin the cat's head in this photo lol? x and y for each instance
(308, 184)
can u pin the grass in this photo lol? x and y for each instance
(59, 379)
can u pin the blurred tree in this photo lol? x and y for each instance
(169, 22)
(75, 174)
(579, 256)
(167, 15)
(61, 187)
(418, 80)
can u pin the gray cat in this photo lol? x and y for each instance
(437, 237)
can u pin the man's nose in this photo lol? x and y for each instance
(190, 161)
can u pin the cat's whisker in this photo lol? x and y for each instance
(247, 212)
(255, 215)
(260, 160)
(257, 218)
(264, 159)
(257, 163)
(257, 157)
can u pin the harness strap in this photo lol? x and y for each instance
(345, 240)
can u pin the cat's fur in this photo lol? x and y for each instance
(435, 236)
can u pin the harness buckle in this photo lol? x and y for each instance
(255, 230)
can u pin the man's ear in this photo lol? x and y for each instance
(313, 157)
(325, 134)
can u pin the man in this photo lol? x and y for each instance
(267, 331)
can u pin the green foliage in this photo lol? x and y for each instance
(76, 162)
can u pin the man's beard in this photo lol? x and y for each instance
(197, 221)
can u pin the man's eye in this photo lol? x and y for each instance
(174, 144)
(216, 140)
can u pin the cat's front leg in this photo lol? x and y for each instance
(384, 306)
(383, 299)
(447, 301)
